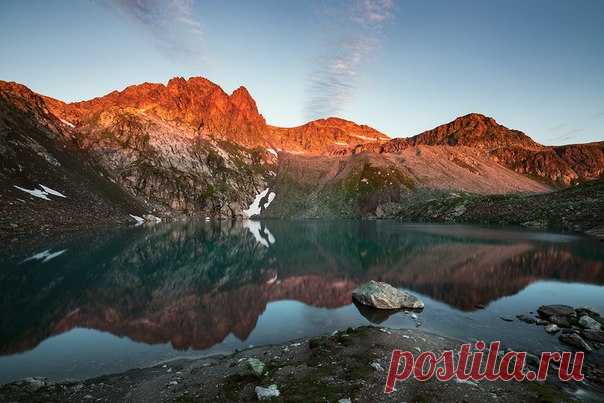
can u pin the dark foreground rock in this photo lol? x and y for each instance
(350, 364)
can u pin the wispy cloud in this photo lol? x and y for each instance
(172, 25)
(333, 81)
(564, 132)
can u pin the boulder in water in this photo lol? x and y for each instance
(384, 296)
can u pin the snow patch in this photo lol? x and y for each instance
(45, 256)
(271, 196)
(43, 193)
(67, 123)
(35, 192)
(139, 220)
(254, 208)
(52, 191)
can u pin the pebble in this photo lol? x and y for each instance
(267, 393)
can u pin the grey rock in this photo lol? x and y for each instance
(573, 339)
(267, 393)
(560, 310)
(541, 322)
(384, 296)
(552, 328)
(589, 323)
(506, 318)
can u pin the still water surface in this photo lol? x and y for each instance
(134, 297)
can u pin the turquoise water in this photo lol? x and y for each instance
(132, 297)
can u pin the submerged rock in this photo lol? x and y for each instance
(526, 318)
(573, 339)
(384, 296)
(267, 393)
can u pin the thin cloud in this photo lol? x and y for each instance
(172, 25)
(564, 132)
(332, 83)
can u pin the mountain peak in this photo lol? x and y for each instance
(475, 130)
(477, 117)
(243, 100)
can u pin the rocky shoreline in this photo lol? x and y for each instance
(349, 365)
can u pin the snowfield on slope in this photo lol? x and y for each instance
(42, 194)
(254, 208)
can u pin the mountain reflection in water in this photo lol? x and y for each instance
(194, 284)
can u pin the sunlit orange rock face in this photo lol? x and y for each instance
(203, 106)
(196, 102)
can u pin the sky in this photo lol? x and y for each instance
(401, 67)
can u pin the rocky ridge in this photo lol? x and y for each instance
(189, 148)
